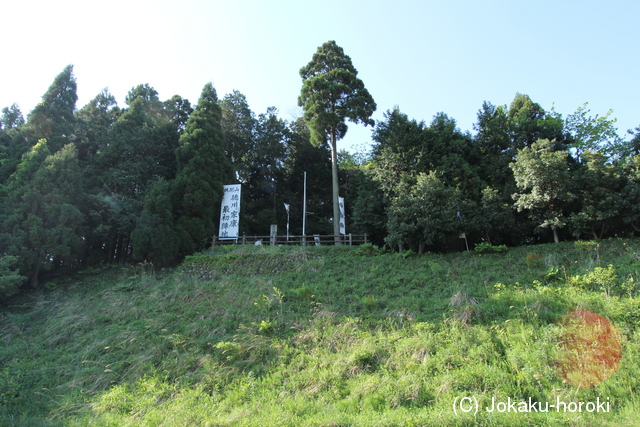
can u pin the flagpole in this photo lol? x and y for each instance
(304, 209)
(286, 206)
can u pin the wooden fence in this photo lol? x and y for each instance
(315, 239)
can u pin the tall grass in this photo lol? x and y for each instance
(261, 336)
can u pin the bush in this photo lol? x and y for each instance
(369, 249)
(488, 248)
(10, 279)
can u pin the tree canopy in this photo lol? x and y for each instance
(105, 184)
(332, 93)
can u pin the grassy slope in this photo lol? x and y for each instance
(318, 336)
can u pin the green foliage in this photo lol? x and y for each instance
(496, 216)
(53, 118)
(10, 279)
(332, 93)
(426, 212)
(11, 117)
(488, 248)
(528, 122)
(238, 125)
(202, 171)
(544, 185)
(94, 121)
(370, 302)
(155, 236)
(603, 279)
(593, 133)
(598, 185)
(43, 223)
(331, 340)
(369, 249)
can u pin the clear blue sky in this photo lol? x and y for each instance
(424, 56)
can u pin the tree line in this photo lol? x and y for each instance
(527, 175)
(106, 184)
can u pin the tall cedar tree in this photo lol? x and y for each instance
(203, 169)
(238, 128)
(332, 93)
(263, 189)
(53, 118)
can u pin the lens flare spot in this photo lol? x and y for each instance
(590, 348)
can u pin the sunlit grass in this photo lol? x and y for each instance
(262, 336)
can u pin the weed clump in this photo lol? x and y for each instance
(488, 248)
(465, 307)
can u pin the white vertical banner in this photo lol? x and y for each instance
(342, 218)
(230, 212)
(286, 206)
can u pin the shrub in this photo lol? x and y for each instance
(10, 279)
(488, 248)
(369, 249)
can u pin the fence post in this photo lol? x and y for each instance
(365, 238)
(350, 240)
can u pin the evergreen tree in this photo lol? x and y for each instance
(332, 93)
(94, 122)
(632, 147)
(178, 109)
(42, 222)
(630, 193)
(494, 143)
(369, 215)
(238, 127)
(10, 278)
(203, 169)
(264, 185)
(54, 118)
(138, 150)
(400, 152)
(11, 117)
(496, 215)
(598, 187)
(528, 122)
(155, 237)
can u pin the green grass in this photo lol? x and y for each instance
(319, 336)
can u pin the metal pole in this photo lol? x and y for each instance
(304, 208)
